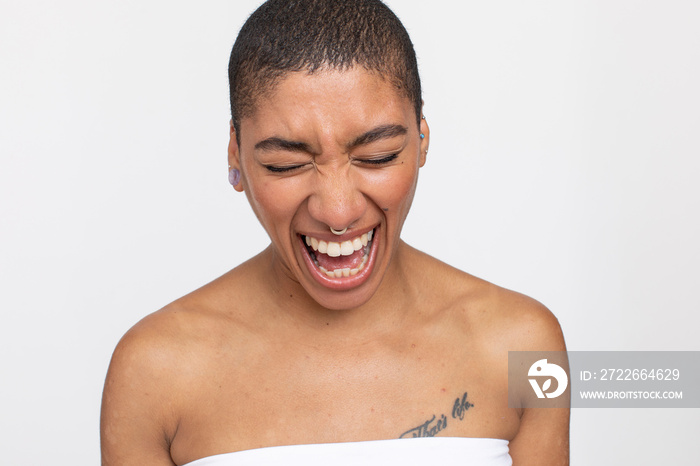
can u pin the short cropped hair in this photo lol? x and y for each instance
(285, 36)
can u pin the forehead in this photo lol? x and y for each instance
(328, 102)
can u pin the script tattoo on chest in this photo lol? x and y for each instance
(435, 425)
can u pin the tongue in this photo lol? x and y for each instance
(341, 262)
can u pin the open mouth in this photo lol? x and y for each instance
(339, 260)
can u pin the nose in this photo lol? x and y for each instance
(336, 199)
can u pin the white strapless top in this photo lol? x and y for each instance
(445, 451)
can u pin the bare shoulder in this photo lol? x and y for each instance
(186, 330)
(144, 388)
(524, 323)
(154, 369)
(493, 320)
(151, 351)
(501, 317)
(161, 345)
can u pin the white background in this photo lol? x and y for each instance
(563, 164)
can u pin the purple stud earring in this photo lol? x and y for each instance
(234, 176)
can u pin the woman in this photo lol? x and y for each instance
(339, 340)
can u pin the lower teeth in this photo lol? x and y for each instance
(346, 272)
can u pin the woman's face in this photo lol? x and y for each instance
(334, 149)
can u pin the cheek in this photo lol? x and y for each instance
(274, 200)
(395, 188)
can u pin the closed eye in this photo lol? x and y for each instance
(381, 161)
(276, 169)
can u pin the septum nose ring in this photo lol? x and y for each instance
(338, 232)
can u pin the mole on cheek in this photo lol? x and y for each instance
(386, 209)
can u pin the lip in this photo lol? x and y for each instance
(343, 283)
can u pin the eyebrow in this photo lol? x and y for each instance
(380, 132)
(376, 134)
(271, 144)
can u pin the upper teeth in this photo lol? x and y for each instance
(345, 248)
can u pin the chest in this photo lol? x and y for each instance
(294, 395)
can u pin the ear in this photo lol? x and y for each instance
(234, 155)
(425, 142)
